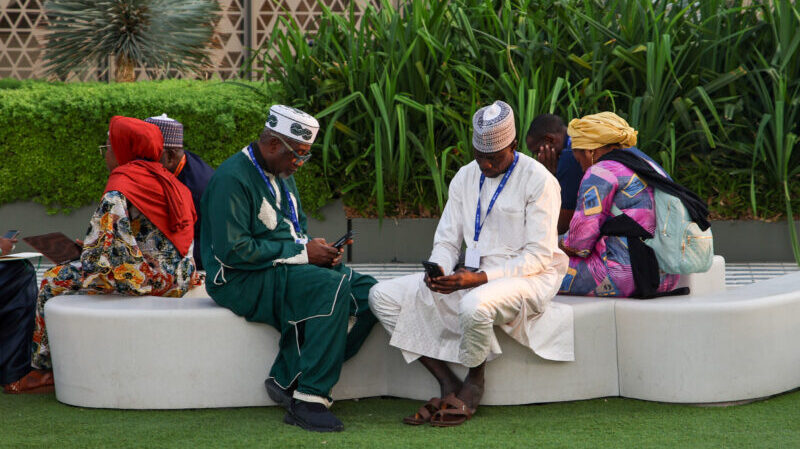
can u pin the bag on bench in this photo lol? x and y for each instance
(680, 245)
(682, 242)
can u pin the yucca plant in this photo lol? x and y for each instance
(160, 34)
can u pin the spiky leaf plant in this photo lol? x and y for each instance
(151, 33)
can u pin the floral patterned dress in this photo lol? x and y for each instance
(602, 266)
(123, 253)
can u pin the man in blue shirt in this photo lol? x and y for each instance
(547, 139)
(192, 171)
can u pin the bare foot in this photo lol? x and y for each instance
(448, 381)
(449, 386)
(471, 393)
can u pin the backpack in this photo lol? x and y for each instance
(680, 246)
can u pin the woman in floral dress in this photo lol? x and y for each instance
(140, 236)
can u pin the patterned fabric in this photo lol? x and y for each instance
(603, 267)
(292, 123)
(123, 253)
(171, 129)
(493, 127)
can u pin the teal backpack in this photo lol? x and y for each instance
(680, 246)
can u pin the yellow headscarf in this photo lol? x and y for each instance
(594, 131)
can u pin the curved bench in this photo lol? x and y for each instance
(161, 353)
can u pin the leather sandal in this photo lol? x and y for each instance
(424, 414)
(453, 412)
(35, 382)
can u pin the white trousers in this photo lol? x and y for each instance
(459, 327)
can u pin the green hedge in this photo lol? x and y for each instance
(49, 133)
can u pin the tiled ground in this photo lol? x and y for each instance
(736, 274)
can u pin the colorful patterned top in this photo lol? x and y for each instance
(123, 253)
(602, 266)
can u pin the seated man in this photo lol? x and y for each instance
(192, 171)
(548, 140)
(262, 266)
(17, 311)
(504, 206)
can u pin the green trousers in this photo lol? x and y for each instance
(313, 315)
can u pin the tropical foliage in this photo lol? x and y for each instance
(159, 34)
(712, 86)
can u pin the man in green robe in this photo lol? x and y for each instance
(262, 266)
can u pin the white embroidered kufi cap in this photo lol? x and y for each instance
(493, 127)
(292, 123)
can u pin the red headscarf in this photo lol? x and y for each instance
(140, 176)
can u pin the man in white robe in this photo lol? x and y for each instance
(513, 270)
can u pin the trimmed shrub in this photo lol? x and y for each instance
(49, 134)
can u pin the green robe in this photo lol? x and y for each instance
(256, 268)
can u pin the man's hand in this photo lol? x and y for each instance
(459, 280)
(7, 245)
(548, 156)
(321, 254)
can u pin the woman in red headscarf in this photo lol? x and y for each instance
(140, 237)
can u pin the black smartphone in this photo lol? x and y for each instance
(343, 239)
(11, 234)
(432, 269)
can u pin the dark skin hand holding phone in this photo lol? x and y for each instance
(460, 280)
(323, 254)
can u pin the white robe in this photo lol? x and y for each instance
(520, 256)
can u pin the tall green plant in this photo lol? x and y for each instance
(776, 92)
(397, 89)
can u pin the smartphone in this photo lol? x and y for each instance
(432, 269)
(343, 239)
(11, 234)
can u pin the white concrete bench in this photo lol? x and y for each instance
(161, 353)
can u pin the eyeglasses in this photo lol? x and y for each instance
(103, 149)
(299, 157)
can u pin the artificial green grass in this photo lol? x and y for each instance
(41, 422)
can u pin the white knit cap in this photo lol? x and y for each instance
(292, 123)
(493, 127)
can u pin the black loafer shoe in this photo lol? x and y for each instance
(312, 416)
(278, 394)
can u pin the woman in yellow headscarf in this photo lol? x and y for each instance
(597, 240)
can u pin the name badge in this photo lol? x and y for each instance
(473, 258)
(301, 241)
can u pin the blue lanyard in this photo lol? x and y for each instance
(292, 214)
(568, 143)
(478, 224)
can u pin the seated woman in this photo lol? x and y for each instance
(598, 240)
(140, 237)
